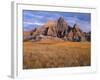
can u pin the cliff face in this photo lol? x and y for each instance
(58, 29)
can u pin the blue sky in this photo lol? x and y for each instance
(32, 18)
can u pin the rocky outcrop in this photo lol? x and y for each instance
(59, 29)
(51, 28)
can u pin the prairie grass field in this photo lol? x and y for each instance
(54, 54)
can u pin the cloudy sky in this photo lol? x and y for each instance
(32, 19)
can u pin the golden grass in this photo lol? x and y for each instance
(51, 54)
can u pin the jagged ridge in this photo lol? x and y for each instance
(58, 30)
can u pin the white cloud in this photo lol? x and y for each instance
(33, 23)
(38, 23)
(29, 14)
